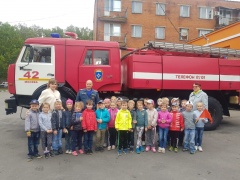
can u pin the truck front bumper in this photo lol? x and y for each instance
(10, 105)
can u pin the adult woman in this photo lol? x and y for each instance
(50, 95)
(198, 96)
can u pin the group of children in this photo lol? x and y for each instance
(115, 122)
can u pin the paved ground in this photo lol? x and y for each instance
(220, 159)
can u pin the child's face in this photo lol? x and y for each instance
(69, 106)
(78, 108)
(163, 108)
(34, 107)
(107, 104)
(124, 106)
(145, 102)
(189, 107)
(45, 108)
(199, 107)
(113, 105)
(113, 99)
(89, 106)
(174, 108)
(183, 104)
(130, 106)
(101, 106)
(140, 106)
(159, 102)
(119, 103)
(58, 105)
(149, 105)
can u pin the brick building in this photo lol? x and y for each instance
(134, 22)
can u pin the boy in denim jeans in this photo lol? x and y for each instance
(189, 132)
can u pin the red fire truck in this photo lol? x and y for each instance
(159, 69)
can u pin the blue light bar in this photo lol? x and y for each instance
(55, 35)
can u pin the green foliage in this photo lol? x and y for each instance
(12, 39)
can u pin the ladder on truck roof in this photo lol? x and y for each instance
(194, 49)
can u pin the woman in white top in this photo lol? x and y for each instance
(50, 95)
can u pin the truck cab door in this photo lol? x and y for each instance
(98, 66)
(34, 67)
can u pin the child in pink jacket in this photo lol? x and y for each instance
(164, 121)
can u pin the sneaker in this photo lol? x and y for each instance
(141, 148)
(119, 152)
(38, 156)
(200, 148)
(105, 145)
(147, 148)
(159, 149)
(97, 149)
(184, 149)
(143, 143)
(192, 152)
(175, 150)
(195, 147)
(153, 149)
(163, 150)
(55, 152)
(125, 151)
(51, 153)
(113, 147)
(80, 151)
(138, 150)
(60, 151)
(109, 148)
(90, 152)
(131, 149)
(86, 152)
(30, 158)
(74, 153)
(47, 155)
(67, 151)
(101, 149)
(70, 152)
(170, 148)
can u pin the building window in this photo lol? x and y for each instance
(185, 11)
(160, 9)
(136, 31)
(183, 34)
(136, 7)
(113, 5)
(160, 33)
(97, 57)
(111, 30)
(205, 13)
(203, 32)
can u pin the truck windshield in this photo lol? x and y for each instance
(37, 54)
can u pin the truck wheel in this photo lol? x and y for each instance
(65, 94)
(216, 111)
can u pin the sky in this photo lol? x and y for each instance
(48, 13)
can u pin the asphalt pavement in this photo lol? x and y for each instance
(219, 160)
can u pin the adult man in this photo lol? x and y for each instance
(88, 94)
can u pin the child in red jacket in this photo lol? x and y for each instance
(176, 126)
(89, 125)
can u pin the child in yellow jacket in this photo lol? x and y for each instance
(123, 124)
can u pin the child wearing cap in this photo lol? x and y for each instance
(189, 131)
(67, 117)
(103, 117)
(151, 128)
(176, 126)
(33, 130)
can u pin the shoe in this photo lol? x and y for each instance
(60, 151)
(153, 149)
(131, 150)
(97, 149)
(192, 152)
(184, 149)
(163, 150)
(30, 158)
(67, 151)
(38, 156)
(125, 151)
(170, 148)
(119, 152)
(70, 152)
(74, 153)
(159, 149)
(113, 147)
(195, 147)
(55, 152)
(47, 155)
(51, 153)
(147, 148)
(90, 152)
(143, 143)
(105, 145)
(175, 150)
(200, 148)
(101, 149)
(80, 151)
(138, 151)
(86, 152)
(109, 148)
(141, 148)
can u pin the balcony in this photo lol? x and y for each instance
(120, 38)
(112, 16)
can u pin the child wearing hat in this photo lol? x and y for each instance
(176, 126)
(33, 130)
(67, 117)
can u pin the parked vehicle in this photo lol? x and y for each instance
(157, 70)
(4, 84)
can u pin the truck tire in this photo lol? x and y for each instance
(216, 111)
(65, 94)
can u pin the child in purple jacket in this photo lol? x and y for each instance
(164, 121)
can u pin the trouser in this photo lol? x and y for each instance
(163, 133)
(143, 135)
(77, 136)
(112, 134)
(123, 138)
(131, 138)
(100, 136)
(139, 136)
(68, 140)
(189, 139)
(46, 141)
(181, 135)
(150, 137)
(174, 138)
(88, 140)
(57, 140)
(199, 136)
(106, 138)
(33, 142)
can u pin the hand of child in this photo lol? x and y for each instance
(28, 134)
(71, 128)
(55, 132)
(163, 121)
(85, 130)
(203, 120)
(49, 131)
(116, 129)
(27, 113)
(146, 129)
(197, 119)
(134, 121)
(130, 130)
(100, 121)
(95, 131)
(149, 127)
(181, 129)
(81, 118)
(66, 131)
